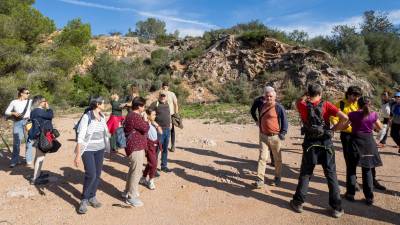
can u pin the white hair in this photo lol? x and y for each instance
(269, 89)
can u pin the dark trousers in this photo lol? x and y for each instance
(151, 155)
(385, 121)
(395, 133)
(93, 164)
(306, 172)
(368, 185)
(172, 136)
(351, 159)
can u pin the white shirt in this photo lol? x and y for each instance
(18, 106)
(385, 110)
(152, 134)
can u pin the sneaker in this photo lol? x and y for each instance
(29, 163)
(166, 170)
(349, 197)
(369, 201)
(44, 175)
(39, 181)
(379, 186)
(157, 174)
(337, 213)
(151, 184)
(136, 202)
(143, 181)
(12, 165)
(295, 207)
(83, 206)
(94, 203)
(259, 184)
(276, 182)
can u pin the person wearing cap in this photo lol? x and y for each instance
(163, 119)
(173, 109)
(395, 120)
(347, 105)
(255, 111)
(273, 128)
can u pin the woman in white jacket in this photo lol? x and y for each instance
(93, 140)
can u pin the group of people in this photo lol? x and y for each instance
(147, 132)
(356, 121)
(148, 129)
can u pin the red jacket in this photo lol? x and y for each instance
(136, 132)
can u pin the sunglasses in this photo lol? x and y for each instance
(27, 93)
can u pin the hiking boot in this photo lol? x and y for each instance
(83, 206)
(143, 181)
(349, 197)
(259, 184)
(151, 185)
(337, 213)
(379, 186)
(369, 201)
(295, 207)
(136, 202)
(94, 203)
(166, 170)
(276, 182)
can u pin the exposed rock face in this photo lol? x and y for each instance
(118, 47)
(229, 58)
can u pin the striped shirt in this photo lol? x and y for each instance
(93, 136)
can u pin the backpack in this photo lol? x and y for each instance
(76, 126)
(315, 127)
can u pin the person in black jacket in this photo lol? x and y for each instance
(41, 117)
(255, 111)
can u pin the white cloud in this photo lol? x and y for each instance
(325, 28)
(166, 18)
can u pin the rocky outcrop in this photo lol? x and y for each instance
(230, 58)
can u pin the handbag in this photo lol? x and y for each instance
(120, 137)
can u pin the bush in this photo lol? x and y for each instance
(107, 71)
(66, 58)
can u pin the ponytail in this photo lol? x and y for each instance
(364, 104)
(366, 110)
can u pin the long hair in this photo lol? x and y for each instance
(365, 103)
(94, 102)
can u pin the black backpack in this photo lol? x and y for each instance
(316, 127)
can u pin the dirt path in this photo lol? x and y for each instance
(210, 184)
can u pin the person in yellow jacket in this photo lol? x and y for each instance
(347, 105)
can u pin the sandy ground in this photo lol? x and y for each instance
(213, 169)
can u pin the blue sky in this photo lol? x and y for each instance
(193, 17)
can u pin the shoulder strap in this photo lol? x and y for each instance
(341, 105)
(26, 108)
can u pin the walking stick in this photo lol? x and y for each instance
(5, 143)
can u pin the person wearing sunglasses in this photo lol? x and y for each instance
(19, 111)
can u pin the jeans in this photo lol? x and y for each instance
(351, 159)
(93, 164)
(164, 141)
(19, 134)
(306, 172)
